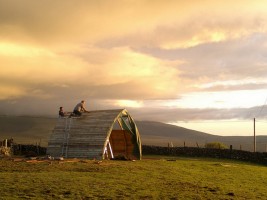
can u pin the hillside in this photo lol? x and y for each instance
(25, 129)
(156, 133)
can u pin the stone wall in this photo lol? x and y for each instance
(28, 150)
(256, 157)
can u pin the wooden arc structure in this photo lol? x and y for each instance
(102, 134)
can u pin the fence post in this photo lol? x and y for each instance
(37, 149)
(254, 135)
(171, 144)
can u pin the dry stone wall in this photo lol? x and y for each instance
(28, 150)
(257, 157)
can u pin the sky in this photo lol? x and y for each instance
(197, 64)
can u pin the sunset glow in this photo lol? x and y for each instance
(21, 51)
(130, 104)
(176, 61)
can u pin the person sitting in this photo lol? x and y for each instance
(61, 113)
(79, 108)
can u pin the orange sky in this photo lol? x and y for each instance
(175, 61)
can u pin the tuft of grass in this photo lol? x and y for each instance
(157, 178)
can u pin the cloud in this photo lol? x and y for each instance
(229, 60)
(233, 86)
(150, 110)
(184, 115)
(121, 74)
(129, 53)
(57, 23)
(10, 91)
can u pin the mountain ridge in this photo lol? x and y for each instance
(31, 129)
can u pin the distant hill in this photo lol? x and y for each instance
(157, 133)
(27, 129)
(32, 130)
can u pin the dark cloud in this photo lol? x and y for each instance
(44, 99)
(236, 59)
(37, 106)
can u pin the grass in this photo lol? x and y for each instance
(165, 178)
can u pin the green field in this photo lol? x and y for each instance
(156, 178)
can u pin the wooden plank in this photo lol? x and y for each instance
(62, 131)
(80, 134)
(87, 137)
(91, 124)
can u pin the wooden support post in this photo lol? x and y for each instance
(119, 122)
(106, 151)
(171, 144)
(111, 152)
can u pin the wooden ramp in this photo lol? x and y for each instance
(102, 134)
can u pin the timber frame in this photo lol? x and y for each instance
(101, 134)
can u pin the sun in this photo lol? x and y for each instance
(129, 103)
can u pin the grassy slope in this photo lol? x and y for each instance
(146, 179)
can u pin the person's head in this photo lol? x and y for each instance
(82, 101)
(60, 108)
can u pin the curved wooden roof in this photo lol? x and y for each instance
(93, 135)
